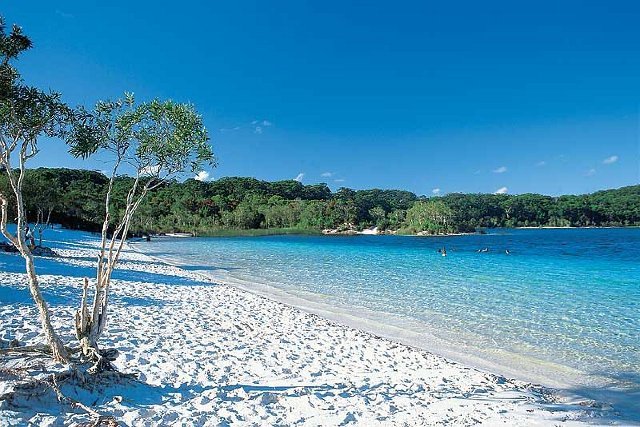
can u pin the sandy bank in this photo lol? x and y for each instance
(210, 354)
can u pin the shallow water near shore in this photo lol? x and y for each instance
(561, 308)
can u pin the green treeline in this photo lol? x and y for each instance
(74, 198)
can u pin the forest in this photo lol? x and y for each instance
(75, 199)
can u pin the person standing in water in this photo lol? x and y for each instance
(444, 251)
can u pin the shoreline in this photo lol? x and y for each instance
(212, 353)
(544, 376)
(261, 232)
(362, 326)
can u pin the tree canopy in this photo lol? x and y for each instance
(236, 203)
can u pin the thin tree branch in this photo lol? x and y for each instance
(3, 221)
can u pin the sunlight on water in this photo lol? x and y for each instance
(564, 301)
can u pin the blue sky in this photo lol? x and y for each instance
(456, 96)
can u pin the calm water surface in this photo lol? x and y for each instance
(562, 307)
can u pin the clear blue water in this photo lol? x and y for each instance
(563, 306)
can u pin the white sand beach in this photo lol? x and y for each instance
(212, 355)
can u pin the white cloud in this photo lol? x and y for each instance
(501, 169)
(202, 176)
(590, 172)
(477, 172)
(541, 163)
(299, 177)
(149, 170)
(327, 174)
(338, 180)
(235, 128)
(64, 14)
(259, 125)
(436, 191)
(610, 160)
(501, 190)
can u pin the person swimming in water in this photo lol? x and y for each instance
(444, 251)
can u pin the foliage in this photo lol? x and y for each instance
(155, 141)
(430, 216)
(250, 204)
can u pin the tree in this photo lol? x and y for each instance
(378, 215)
(43, 194)
(236, 203)
(26, 114)
(155, 140)
(433, 216)
(396, 218)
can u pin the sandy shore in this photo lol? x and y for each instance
(210, 354)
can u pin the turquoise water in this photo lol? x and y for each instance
(562, 307)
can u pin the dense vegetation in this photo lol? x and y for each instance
(75, 199)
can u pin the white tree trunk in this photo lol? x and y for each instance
(58, 351)
(90, 325)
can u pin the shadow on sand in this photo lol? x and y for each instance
(623, 395)
(64, 266)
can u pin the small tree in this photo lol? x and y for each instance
(43, 193)
(433, 216)
(26, 114)
(152, 141)
(378, 215)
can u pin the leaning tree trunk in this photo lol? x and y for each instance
(58, 351)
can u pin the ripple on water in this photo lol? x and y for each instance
(564, 301)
